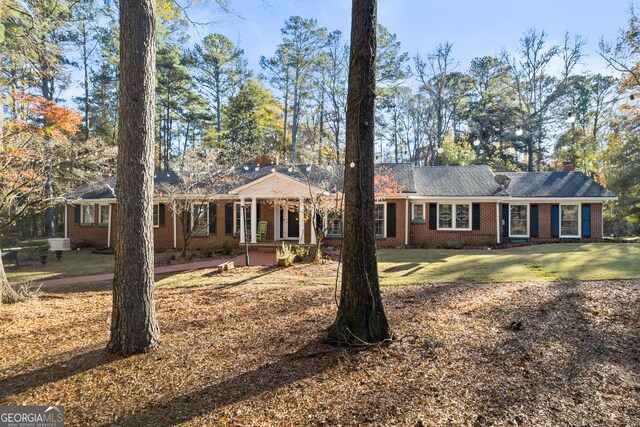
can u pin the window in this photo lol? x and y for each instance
(334, 223)
(103, 216)
(519, 220)
(417, 212)
(87, 215)
(200, 219)
(238, 214)
(378, 217)
(569, 221)
(462, 216)
(156, 215)
(453, 216)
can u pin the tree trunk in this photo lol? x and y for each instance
(85, 64)
(360, 319)
(133, 324)
(7, 294)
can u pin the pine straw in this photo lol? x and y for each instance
(252, 355)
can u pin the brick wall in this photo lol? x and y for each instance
(419, 233)
(422, 236)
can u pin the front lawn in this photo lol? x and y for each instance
(538, 263)
(514, 354)
(554, 262)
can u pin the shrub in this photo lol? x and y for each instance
(83, 244)
(227, 247)
(208, 251)
(284, 255)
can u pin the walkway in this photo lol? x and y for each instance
(255, 258)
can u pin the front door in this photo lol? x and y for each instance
(293, 226)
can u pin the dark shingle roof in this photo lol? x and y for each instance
(554, 184)
(428, 181)
(455, 181)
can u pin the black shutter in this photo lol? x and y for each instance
(391, 220)
(586, 220)
(319, 222)
(555, 220)
(258, 210)
(433, 216)
(228, 218)
(505, 219)
(213, 218)
(187, 221)
(76, 214)
(161, 214)
(534, 221)
(475, 216)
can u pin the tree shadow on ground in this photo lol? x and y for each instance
(59, 371)
(271, 376)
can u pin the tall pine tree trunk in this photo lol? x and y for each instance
(133, 323)
(361, 318)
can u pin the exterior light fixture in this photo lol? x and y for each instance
(519, 131)
(440, 150)
(476, 142)
(571, 118)
(352, 165)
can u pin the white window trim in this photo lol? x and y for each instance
(570, 236)
(454, 217)
(326, 226)
(413, 213)
(528, 220)
(153, 219)
(205, 232)
(93, 219)
(384, 226)
(100, 223)
(236, 214)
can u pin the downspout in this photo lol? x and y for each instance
(498, 222)
(109, 229)
(407, 222)
(65, 220)
(175, 235)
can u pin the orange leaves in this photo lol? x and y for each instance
(385, 182)
(58, 121)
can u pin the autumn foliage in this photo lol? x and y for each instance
(43, 117)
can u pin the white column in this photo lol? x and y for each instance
(175, 231)
(109, 229)
(254, 220)
(276, 221)
(313, 226)
(301, 221)
(65, 220)
(242, 216)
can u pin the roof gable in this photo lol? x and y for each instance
(276, 185)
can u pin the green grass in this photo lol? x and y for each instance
(568, 261)
(72, 264)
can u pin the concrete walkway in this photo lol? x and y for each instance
(255, 258)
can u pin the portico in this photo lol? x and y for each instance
(291, 208)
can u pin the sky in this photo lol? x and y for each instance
(474, 27)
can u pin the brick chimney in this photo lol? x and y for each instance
(264, 160)
(566, 166)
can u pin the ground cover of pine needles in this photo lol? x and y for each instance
(243, 353)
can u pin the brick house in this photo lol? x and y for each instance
(438, 206)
